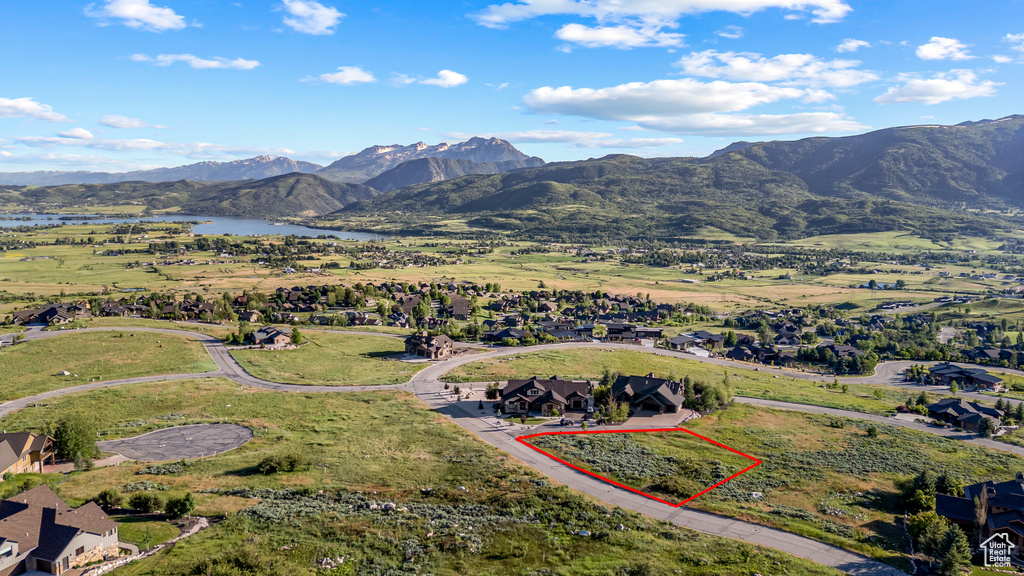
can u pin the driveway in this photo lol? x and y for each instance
(180, 442)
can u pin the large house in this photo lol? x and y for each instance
(546, 396)
(1004, 513)
(648, 393)
(960, 412)
(431, 347)
(38, 531)
(946, 374)
(24, 452)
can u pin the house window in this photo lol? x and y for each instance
(7, 551)
(534, 392)
(80, 550)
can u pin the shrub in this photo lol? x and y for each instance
(282, 463)
(145, 502)
(110, 498)
(180, 507)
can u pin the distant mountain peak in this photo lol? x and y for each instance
(376, 160)
(255, 168)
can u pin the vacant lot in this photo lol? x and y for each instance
(826, 478)
(332, 359)
(34, 367)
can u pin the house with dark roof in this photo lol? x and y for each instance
(460, 307)
(960, 412)
(1004, 512)
(546, 396)
(648, 393)
(947, 373)
(431, 347)
(40, 532)
(24, 452)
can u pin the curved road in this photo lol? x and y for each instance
(427, 386)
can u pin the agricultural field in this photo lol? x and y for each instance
(830, 479)
(591, 364)
(34, 367)
(459, 505)
(333, 359)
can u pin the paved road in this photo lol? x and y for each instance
(427, 386)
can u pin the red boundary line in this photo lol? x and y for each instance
(522, 440)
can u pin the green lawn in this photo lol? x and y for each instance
(591, 364)
(144, 532)
(34, 367)
(332, 359)
(470, 509)
(822, 477)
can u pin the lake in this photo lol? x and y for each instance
(213, 225)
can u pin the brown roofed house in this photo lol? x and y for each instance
(24, 452)
(39, 531)
(427, 346)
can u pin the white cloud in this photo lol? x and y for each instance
(197, 150)
(29, 108)
(346, 75)
(1016, 41)
(138, 14)
(649, 11)
(115, 121)
(852, 45)
(1000, 59)
(755, 124)
(731, 31)
(621, 36)
(578, 139)
(660, 97)
(943, 87)
(536, 136)
(789, 69)
(446, 79)
(311, 17)
(689, 106)
(196, 62)
(939, 48)
(79, 133)
(631, 143)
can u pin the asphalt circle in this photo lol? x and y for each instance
(180, 442)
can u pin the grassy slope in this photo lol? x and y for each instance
(806, 464)
(391, 446)
(332, 359)
(32, 367)
(592, 363)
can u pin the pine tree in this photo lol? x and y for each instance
(954, 552)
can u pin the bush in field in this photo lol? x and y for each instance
(282, 463)
(180, 507)
(145, 502)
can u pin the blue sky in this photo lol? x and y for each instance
(123, 84)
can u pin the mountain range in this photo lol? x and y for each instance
(934, 180)
(250, 168)
(475, 156)
(376, 160)
(918, 178)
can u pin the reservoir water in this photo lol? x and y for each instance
(212, 225)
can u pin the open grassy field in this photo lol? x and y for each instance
(463, 507)
(823, 477)
(591, 364)
(33, 367)
(144, 532)
(332, 359)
